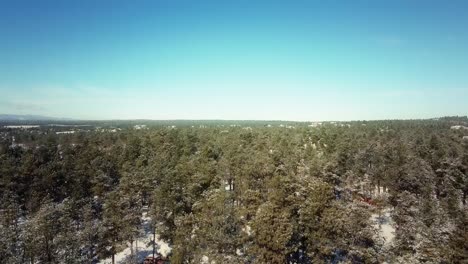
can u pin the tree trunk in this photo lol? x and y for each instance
(136, 247)
(154, 240)
(48, 253)
(91, 249)
(113, 251)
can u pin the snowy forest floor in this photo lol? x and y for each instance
(384, 223)
(142, 248)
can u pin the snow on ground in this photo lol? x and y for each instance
(145, 247)
(385, 225)
(205, 260)
(458, 127)
(23, 126)
(247, 230)
(65, 132)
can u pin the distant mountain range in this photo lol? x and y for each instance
(19, 118)
(5, 117)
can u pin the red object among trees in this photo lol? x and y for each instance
(155, 260)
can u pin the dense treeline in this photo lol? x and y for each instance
(239, 194)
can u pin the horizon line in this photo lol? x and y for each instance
(66, 119)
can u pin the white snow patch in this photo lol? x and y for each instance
(205, 259)
(385, 225)
(65, 132)
(227, 186)
(315, 124)
(23, 126)
(247, 230)
(144, 248)
(458, 127)
(380, 191)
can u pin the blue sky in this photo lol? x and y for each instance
(288, 60)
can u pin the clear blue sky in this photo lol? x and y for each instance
(293, 60)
